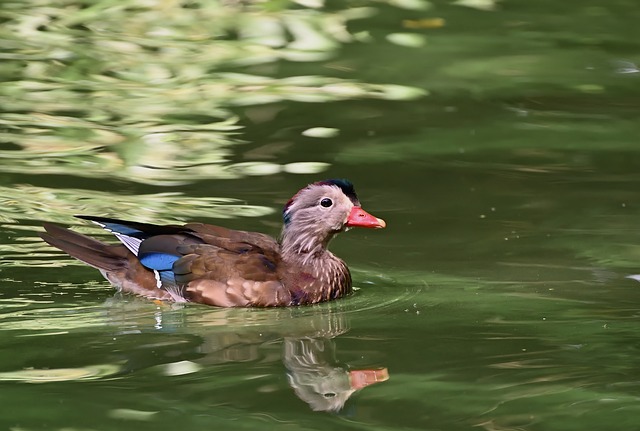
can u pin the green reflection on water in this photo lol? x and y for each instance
(140, 92)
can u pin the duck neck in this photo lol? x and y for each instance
(305, 245)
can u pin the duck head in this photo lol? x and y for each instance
(320, 211)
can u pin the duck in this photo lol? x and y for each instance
(222, 267)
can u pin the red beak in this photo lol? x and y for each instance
(360, 218)
(363, 378)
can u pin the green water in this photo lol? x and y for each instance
(499, 141)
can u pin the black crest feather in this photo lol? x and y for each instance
(345, 185)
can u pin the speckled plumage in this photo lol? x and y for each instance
(229, 268)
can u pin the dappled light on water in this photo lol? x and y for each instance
(144, 93)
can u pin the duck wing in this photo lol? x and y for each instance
(206, 263)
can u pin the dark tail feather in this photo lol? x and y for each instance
(134, 229)
(88, 250)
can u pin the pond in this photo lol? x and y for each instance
(498, 139)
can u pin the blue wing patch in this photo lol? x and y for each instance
(158, 261)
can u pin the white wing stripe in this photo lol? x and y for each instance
(133, 244)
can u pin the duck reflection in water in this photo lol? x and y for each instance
(316, 378)
(224, 336)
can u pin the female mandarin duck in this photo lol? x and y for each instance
(230, 268)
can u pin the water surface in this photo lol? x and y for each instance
(497, 139)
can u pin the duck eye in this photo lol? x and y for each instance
(326, 202)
